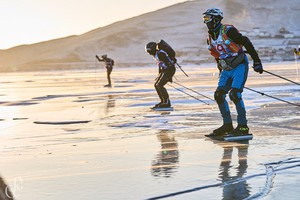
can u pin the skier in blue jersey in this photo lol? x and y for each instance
(225, 44)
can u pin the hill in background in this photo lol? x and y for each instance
(272, 26)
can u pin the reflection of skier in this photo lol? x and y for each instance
(109, 63)
(240, 189)
(225, 44)
(167, 158)
(110, 103)
(166, 72)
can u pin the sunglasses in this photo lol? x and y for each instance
(207, 18)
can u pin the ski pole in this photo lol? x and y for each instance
(188, 94)
(182, 69)
(193, 91)
(281, 77)
(272, 97)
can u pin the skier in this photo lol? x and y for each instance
(225, 44)
(297, 52)
(109, 63)
(165, 74)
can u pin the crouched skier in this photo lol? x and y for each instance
(166, 72)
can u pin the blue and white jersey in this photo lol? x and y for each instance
(162, 59)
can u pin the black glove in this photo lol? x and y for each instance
(97, 57)
(257, 66)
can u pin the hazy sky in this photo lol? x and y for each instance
(31, 21)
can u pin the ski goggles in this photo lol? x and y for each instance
(207, 18)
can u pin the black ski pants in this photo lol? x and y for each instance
(109, 70)
(163, 78)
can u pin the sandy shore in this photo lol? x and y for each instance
(64, 136)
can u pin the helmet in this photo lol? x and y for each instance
(212, 18)
(151, 48)
(214, 12)
(104, 56)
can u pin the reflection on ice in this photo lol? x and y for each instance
(166, 161)
(234, 187)
(109, 104)
(123, 138)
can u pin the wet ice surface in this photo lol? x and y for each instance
(123, 150)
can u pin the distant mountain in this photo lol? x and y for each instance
(272, 25)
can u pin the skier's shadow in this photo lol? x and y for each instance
(234, 186)
(166, 161)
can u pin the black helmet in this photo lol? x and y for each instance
(104, 56)
(212, 18)
(151, 48)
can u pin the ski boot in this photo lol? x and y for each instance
(240, 130)
(221, 131)
(166, 104)
(240, 133)
(157, 105)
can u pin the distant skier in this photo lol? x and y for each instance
(297, 52)
(225, 45)
(165, 73)
(109, 63)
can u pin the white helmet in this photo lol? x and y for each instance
(214, 12)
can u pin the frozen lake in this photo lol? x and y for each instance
(65, 136)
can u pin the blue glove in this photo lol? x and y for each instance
(257, 66)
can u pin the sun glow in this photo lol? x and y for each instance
(31, 21)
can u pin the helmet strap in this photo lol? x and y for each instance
(214, 32)
(217, 25)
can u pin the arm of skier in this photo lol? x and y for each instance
(216, 59)
(100, 60)
(238, 38)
